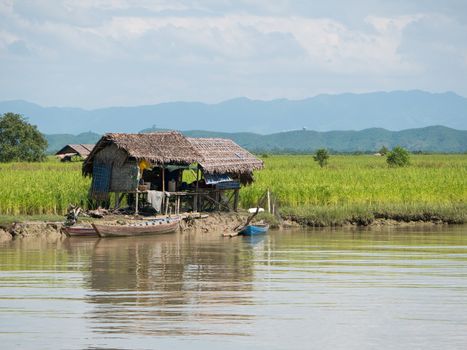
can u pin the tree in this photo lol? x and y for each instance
(321, 156)
(19, 140)
(398, 157)
(383, 150)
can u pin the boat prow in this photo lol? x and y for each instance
(80, 231)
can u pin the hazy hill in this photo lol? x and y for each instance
(57, 141)
(396, 110)
(429, 139)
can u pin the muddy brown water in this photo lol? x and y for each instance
(314, 289)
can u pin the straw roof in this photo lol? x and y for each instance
(224, 156)
(158, 148)
(81, 149)
(214, 155)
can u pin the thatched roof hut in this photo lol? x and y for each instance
(82, 150)
(155, 162)
(223, 156)
(158, 148)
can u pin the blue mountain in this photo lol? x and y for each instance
(395, 110)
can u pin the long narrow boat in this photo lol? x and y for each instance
(252, 230)
(152, 227)
(80, 231)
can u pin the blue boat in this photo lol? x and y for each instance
(252, 230)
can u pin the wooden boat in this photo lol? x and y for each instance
(80, 231)
(252, 230)
(152, 227)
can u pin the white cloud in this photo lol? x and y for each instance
(253, 49)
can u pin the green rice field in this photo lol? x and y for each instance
(350, 186)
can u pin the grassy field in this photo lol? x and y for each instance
(361, 188)
(350, 188)
(41, 188)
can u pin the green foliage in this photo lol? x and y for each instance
(321, 156)
(19, 140)
(398, 157)
(383, 151)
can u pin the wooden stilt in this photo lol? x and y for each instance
(269, 201)
(136, 202)
(163, 188)
(195, 197)
(235, 205)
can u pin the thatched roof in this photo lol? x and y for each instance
(214, 155)
(82, 150)
(158, 148)
(224, 156)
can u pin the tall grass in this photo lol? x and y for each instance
(363, 186)
(41, 188)
(350, 186)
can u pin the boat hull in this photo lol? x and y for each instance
(148, 228)
(252, 230)
(79, 231)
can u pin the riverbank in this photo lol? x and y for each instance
(220, 223)
(366, 215)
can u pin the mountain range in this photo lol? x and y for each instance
(397, 110)
(429, 139)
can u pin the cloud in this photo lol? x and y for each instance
(167, 49)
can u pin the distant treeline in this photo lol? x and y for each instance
(433, 139)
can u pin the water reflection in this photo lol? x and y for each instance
(167, 285)
(404, 288)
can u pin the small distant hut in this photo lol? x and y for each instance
(67, 153)
(168, 170)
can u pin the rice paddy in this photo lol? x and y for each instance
(349, 186)
(364, 186)
(41, 188)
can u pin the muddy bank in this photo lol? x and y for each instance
(215, 223)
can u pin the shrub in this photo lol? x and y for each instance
(398, 157)
(321, 156)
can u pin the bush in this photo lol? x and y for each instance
(398, 157)
(321, 156)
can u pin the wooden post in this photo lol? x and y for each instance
(136, 201)
(137, 184)
(195, 197)
(269, 201)
(235, 205)
(217, 197)
(163, 186)
(167, 205)
(117, 200)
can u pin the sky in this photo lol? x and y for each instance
(98, 53)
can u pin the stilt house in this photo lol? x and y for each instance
(167, 170)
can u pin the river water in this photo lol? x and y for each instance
(316, 289)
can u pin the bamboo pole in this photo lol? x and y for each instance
(163, 187)
(195, 198)
(269, 201)
(136, 193)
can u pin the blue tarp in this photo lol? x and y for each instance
(216, 178)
